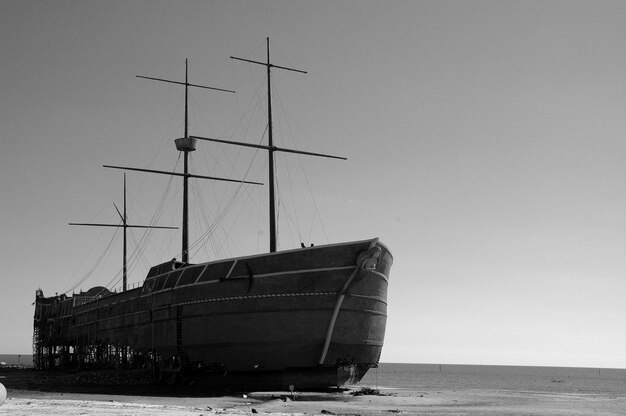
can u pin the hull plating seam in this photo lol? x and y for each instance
(100, 320)
(255, 276)
(233, 298)
(356, 295)
(277, 295)
(379, 274)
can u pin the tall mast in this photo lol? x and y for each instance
(186, 145)
(125, 226)
(271, 154)
(124, 218)
(270, 146)
(271, 149)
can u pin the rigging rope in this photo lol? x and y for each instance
(138, 252)
(225, 210)
(95, 266)
(249, 191)
(306, 178)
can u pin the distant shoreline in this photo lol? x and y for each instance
(17, 359)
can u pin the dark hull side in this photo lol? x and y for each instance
(312, 317)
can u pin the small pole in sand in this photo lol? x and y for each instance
(376, 377)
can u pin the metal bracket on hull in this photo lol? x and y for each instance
(250, 277)
(367, 260)
(230, 271)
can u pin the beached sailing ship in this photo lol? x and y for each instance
(310, 317)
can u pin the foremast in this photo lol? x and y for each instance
(270, 146)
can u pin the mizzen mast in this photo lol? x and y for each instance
(123, 225)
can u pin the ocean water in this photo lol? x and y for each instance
(416, 377)
(17, 359)
(541, 379)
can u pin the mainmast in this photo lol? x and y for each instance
(123, 225)
(270, 141)
(270, 147)
(185, 144)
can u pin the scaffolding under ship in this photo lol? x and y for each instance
(311, 317)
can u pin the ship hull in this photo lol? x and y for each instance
(312, 318)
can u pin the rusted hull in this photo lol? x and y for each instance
(318, 310)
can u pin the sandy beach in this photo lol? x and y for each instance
(424, 402)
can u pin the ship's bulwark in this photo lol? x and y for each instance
(312, 317)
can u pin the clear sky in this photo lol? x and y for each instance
(485, 140)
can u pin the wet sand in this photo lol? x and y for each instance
(26, 398)
(443, 402)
